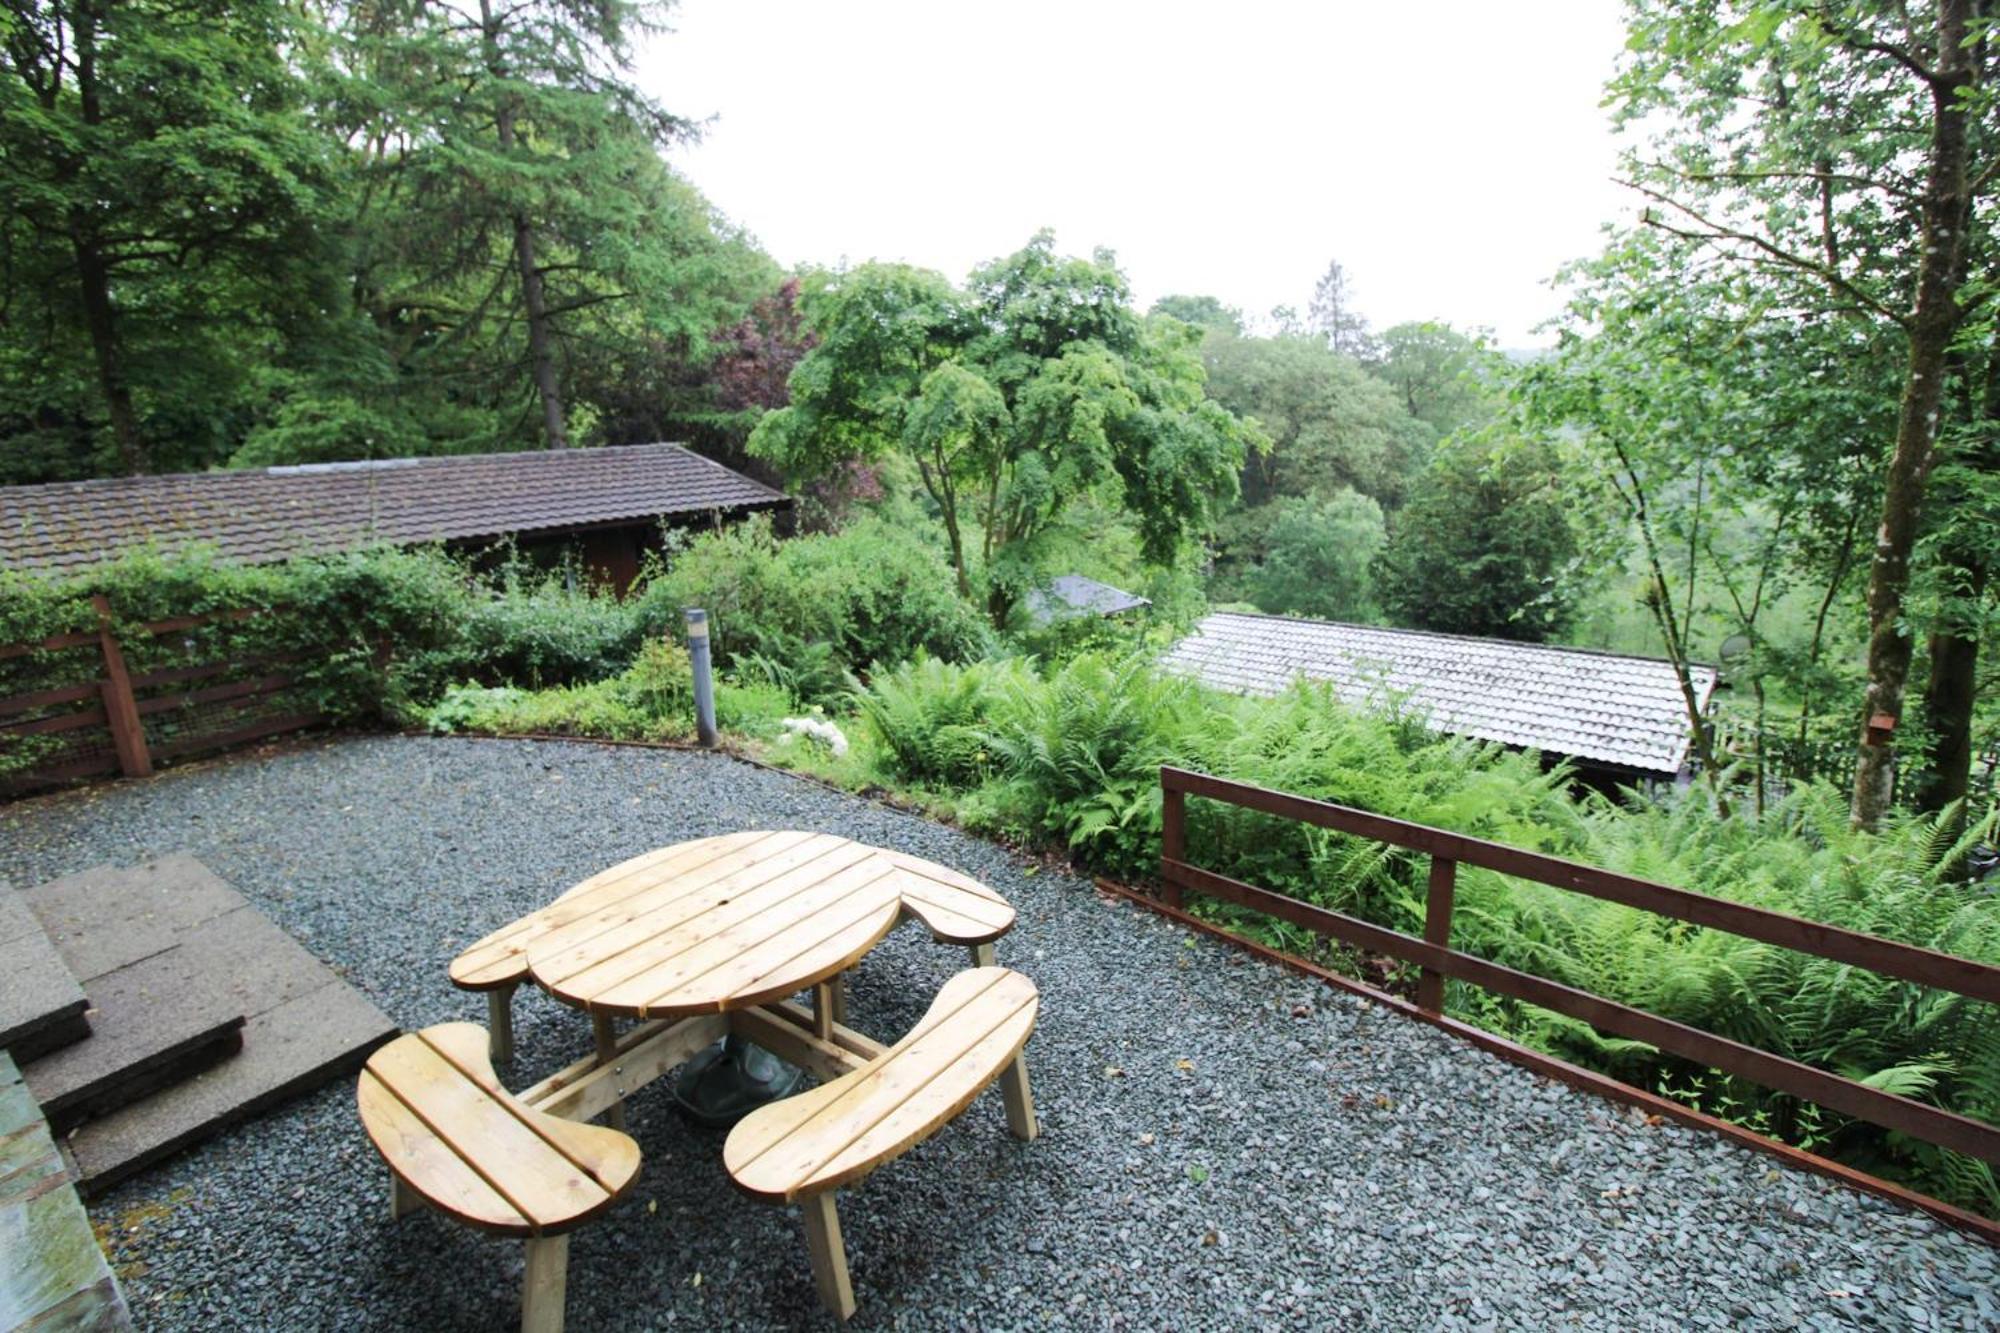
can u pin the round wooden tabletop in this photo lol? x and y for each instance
(743, 919)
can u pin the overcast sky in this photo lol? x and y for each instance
(1450, 155)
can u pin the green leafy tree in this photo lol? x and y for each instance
(1031, 392)
(1446, 379)
(1331, 424)
(1317, 557)
(159, 181)
(1204, 312)
(1838, 155)
(1484, 546)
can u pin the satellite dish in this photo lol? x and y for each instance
(1735, 648)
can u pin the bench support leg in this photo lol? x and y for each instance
(982, 955)
(545, 1285)
(829, 1255)
(606, 1032)
(402, 1199)
(1021, 1122)
(500, 1024)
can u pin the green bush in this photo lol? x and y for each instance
(1071, 754)
(806, 612)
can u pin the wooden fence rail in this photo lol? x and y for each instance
(102, 720)
(1438, 960)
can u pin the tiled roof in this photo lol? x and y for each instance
(275, 513)
(1597, 707)
(1075, 595)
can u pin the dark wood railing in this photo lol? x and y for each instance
(1438, 960)
(103, 718)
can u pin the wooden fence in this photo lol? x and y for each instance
(104, 718)
(1438, 960)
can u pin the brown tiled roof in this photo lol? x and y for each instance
(275, 513)
(1599, 707)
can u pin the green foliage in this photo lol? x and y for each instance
(258, 233)
(805, 612)
(1070, 756)
(1031, 397)
(653, 699)
(1331, 424)
(1312, 556)
(1485, 546)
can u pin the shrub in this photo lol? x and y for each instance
(1070, 755)
(871, 593)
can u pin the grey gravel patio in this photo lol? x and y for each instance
(1225, 1145)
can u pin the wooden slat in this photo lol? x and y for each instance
(840, 1131)
(235, 689)
(597, 1089)
(415, 1153)
(44, 726)
(576, 944)
(768, 961)
(958, 910)
(1906, 962)
(270, 726)
(724, 919)
(172, 623)
(609, 1160)
(501, 958)
(44, 774)
(54, 643)
(1930, 1123)
(545, 1187)
(65, 694)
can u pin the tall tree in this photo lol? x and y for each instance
(1333, 317)
(517, 131)
(1839, 151)
(155, 167)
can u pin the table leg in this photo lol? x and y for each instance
(825, 1008)
(982, 955)
(840, 999)
(604, 1027)
(500, 1024)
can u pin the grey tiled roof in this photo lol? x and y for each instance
(274, 513)
(1073, 594)
(1599, 707)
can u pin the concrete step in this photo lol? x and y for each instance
(149, 1029)
(320, 1036)
(42, 1008)
(172, 931)
(55, 1275)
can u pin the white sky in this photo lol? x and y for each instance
(1451, 155)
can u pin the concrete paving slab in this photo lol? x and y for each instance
(41, 1006)
(312, 1039)
(110, 917)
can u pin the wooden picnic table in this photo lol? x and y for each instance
(696, 942)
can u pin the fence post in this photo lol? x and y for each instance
(1437, 930)
(1173, 835)
(704, 682)
(121, 710)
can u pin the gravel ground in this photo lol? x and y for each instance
(1225, 1145)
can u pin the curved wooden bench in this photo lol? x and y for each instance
(803, 1148)
(456, 1140)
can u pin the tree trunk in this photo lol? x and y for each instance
(101, 318)
(1951, 692)
(540, 345)
(93, 273)
(1934, 320)
(534, 301)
